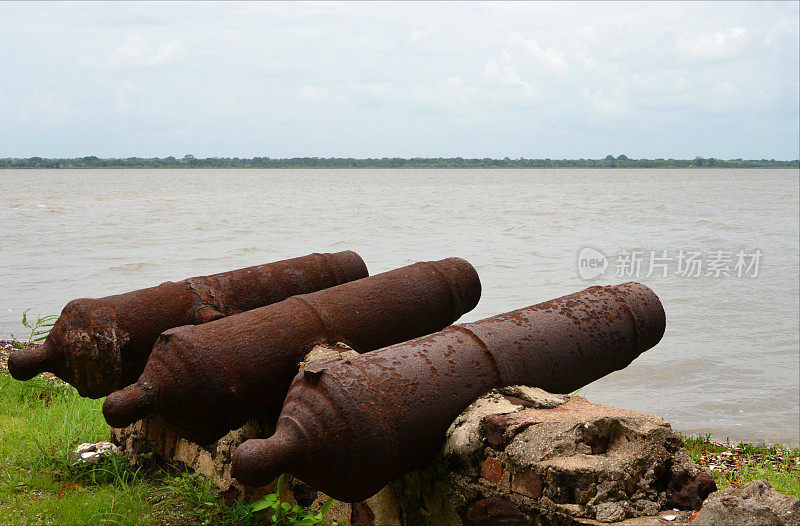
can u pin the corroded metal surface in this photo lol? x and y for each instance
(350, 427)
(206, 380)
(100, 345)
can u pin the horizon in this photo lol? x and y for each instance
(375, 80)
(191, 157)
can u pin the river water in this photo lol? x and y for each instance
(729, 362)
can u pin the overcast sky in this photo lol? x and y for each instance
(557, 80)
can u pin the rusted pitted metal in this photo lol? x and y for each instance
(100, 345)
(349, 427)
(204, 381)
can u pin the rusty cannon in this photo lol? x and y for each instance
(350, 427)
(206, 380)
(100, 345)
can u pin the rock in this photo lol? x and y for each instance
(687, 489)
(533, 396)
(492, 470)
(568, 456)
(464, 436)
(92, 453)
(323, 353)
(609, 512)
(494, 511)
(754, 504)
(214, 461)
(527, 483)
(361, 515)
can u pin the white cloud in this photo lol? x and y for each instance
(550, 58)
(723, 44)
(138, 52)
(48, 110)
(315, 92)
(445, 96)
(454, 89)
(420, 35)
(589, 34)
(502, 70)
(602, 106)
(526, 64)
(371, 89)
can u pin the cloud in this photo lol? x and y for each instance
(719, 45)
(372, 94)
(48, 110)
(526, 64)
(454, 89)
(419, 36)
(371, 89)
(604, 106)
(136, 51)
(550, 58)
(446, 94)
(502, 70)
(315, 92)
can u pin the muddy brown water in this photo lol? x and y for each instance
(729, 362)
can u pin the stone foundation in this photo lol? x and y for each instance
(517, 455)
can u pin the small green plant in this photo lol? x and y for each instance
(283, 513)
(194, 490)
(39, 329)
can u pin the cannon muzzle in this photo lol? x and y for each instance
(24, 364)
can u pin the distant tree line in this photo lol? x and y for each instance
(189, 161)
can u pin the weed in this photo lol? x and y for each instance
(194, 490)
(735, 465)
(38, 329)
(283, 513)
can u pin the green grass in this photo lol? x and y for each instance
(743, 462)
(41, 422)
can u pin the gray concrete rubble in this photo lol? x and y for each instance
(92, 453)
(754, 504)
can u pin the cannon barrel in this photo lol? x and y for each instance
(350, 427)
(100, 345)
(206, 380)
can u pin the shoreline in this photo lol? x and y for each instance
(327, 163)
(390, 168)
